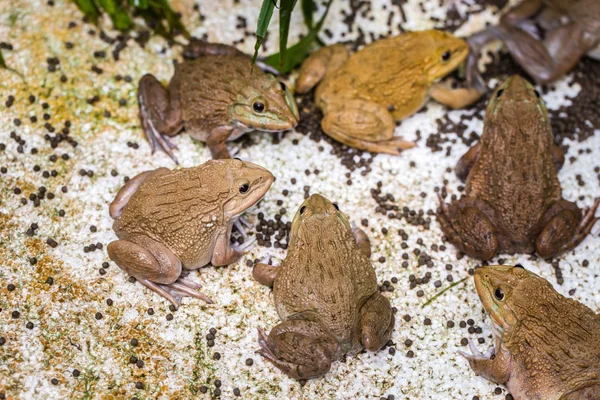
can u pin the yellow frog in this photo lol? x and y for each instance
(362, 95)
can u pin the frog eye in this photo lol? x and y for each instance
(446, 56)
(302, 209)
(258, 106)
(244, 188)
(336, 206)
(499, 294)
(519, 266)
(537, 94)
(499, 93)
(283, 87)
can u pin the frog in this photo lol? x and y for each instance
(171, 222)
(325, 293)
(215, 95)
(513, 200)
(545, 37)
(547, 346)
(363, 95)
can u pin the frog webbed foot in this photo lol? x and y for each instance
(493, 365)
(365, 125)
(160, 115)
(469, 228)
(301, 349)
(565, 228)
(476, 354)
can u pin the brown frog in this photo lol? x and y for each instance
(170, 222)
(325, 293)
(513, 201)
(547, 345)
(546, 37)
(363, 95)
(217, 96)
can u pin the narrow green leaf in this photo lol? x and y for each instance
(2, 63)
(266, 12)
(308, 8)
(88, 8)
(285, 16)
(117, 14)
(298, 52)
(431, 300)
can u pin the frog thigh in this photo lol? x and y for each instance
(564, 228)
(363, 124)
(376, 322)
(122, 198)
(468, 225)
(301, 349)
(323, 61)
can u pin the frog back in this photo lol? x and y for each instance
(390, 71)
(515, 173)
(208, 88)
(555, 347)
(326, 280)
(182, 209)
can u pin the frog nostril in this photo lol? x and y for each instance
(499, 93)
(302, 209)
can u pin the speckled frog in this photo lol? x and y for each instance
(216, 96)
(547, 345)
(325, 293)
(546, 37)
(513, 201)
(170, 222)
(362, 95)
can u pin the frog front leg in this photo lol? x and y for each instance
(265, 273)
(153, 265)
(299, 348)
(466, 162)
(160, 113)
(224, 253)
(362, 241)
(324, 61)
(467, 224)
(217, 140)
(364, 125)
(455, 98)
(494, 366)
(376, 322)
(564, 228)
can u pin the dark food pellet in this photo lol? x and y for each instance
(76, 373)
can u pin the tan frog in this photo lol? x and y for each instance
(169, 222)
(216, 96)
(547, 345)
(513, 201)
(362, 95)
(325, 293)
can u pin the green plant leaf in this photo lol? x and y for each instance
(266, 12)
(298, 52)
(117, 14)
(285, 16)
(2, 63)
(308, 8)
(88, 8)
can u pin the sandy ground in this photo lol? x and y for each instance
(67, 322)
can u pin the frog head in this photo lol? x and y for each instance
(517, 100)
(264, 103)
(509, 293)
(318, 214)
(445, 52)
(247, 183)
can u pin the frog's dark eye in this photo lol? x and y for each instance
(537, 94)
(336, 206)
(302, 210)
(244, 188)
(499, 294)
(283, 87)
(499, 93)
(445, 56)
(258, 106)
(519, 266)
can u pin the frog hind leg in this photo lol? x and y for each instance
(154, 266)
(122, 198)
(299, 348)
(198, 48)
(467, 225)
(564, 228)
(160, 114)
(376, 322)
(364, 125)
(324, 61)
